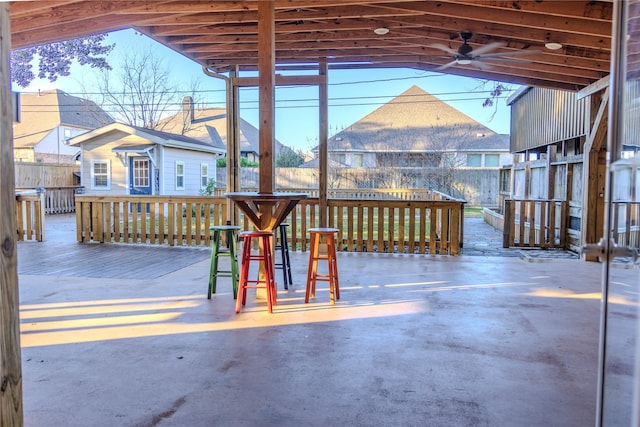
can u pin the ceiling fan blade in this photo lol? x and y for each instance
(507, 54)
(505, 60)
(486, 48)
(481, 65)
(444, 48)
(445, 66)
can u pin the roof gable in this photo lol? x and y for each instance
(416, 121)
(210, 125)
(42, 112)
(157, 137)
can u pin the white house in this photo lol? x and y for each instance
(48, 119)
(119, 159)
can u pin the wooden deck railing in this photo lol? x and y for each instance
(59, 200)
(30, 216)
(535, 224)
(426, 227)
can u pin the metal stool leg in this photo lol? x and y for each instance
(213, 266)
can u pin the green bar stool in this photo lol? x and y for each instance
(232, 253)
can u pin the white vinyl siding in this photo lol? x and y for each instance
(180, 172)
(100, 174)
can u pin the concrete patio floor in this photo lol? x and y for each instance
(414, 341)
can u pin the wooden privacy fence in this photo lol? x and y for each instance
(30, 216)
(425, 227)
(535, 224)
(363, 194)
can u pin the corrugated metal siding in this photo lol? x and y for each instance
(545, 116)
(632, 113)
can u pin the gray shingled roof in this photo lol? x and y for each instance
(206, 119)
(81, 112)
(44, 111)
(416, 121)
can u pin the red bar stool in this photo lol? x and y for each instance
(332, 265)
(264, 254)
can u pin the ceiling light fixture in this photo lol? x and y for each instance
(381, 31)
(463, 61)
(553, 46)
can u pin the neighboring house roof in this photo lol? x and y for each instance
(42, 112)
(153, 136)
(210, 124)
(416, 121)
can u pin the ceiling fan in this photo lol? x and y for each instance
(466, 54)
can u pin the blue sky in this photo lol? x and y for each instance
(352, 93)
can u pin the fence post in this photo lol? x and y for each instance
(508, 224)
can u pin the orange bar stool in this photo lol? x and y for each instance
(231, 240)
(264, 254)
(332, 266)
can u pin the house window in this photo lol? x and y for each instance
(491, 160)
(357, 160)
(474, 160)
(204, 174)
(179, 175)
(100, 175)
(141, 173)
(67, 135)
(340, 158)
(505, 180)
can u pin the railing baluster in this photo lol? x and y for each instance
(380, 216)
(370, 220)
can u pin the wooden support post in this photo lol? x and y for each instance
(233, 144)
(323, 163)
(266, 84)
(551, 157)
(594, 172)
(10, 363)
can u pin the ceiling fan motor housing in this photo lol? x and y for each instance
(465, 49)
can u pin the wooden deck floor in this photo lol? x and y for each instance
(105, 260)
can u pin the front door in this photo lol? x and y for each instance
(619, 363)
(139, 176)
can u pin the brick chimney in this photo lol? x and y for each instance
(187, 110)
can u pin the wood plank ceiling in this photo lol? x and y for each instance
(224, 34)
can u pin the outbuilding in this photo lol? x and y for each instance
(120, 159)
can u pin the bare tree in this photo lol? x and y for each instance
(139, 91)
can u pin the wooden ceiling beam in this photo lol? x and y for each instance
(507, 16)
(563, 8)
(72, 30)
(281, 28)
(30, 7)
(69, 13)
(534, 36)
(199, 6)
(301, 15)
